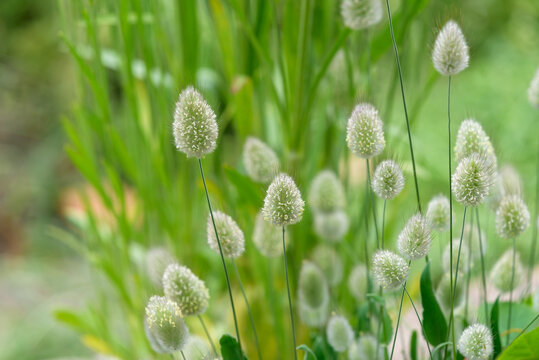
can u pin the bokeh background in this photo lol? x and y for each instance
(41, 206)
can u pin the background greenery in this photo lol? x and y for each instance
(111, 72)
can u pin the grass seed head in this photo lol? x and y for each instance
(501, 272)
(267, 237)
(331, 226)
(329, 261)
(230, 235)
(260, 161)
(326, 193)
(165, 326)
(283, 204)
(450, 55)
(364, 132)
(390, 270)
(475, 342)
(438, 213)
(512, 217)
(339, 333)
(186, 289)
(364, 348)
(157, 260)
(387, 181)
(357, 282)
(471, 138)
(414, 240)
(313, 295)
(473, 179)
(361, 14)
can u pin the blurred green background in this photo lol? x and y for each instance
(40, 84)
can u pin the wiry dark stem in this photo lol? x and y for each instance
(511, 291)
(251, 319)
(183, 356)
(419, 319)
(403, 102)
(289, 299)
(221, 253)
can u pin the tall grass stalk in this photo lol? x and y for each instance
(289, 298)
(469, 266)
(483, 276)
(535, 220)
(511, 291)
(398, 320)
(214, 349)
(450, 213)
(419, 319)
(381, 321)
(221, 253)
(370, 194)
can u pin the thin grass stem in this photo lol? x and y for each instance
(527, 326)
(534, 233)
(398, 321)
(371, 202)
(183, 356)
(419, 319)
(483, 276)
(214, 349)
(289, 298)
(450, 215)
(511, 291)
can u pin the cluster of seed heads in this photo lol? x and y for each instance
(195, 129)
(473, 179)
(364, 132)
(387, 181)
(186, 289)
(471, 138)
(357, 282)
(438, 213)
(533, 90)
(157, 260)
(267, 237)
(450, 55)
(329, 261)
(165, 327)
(365, 348)
(502, 271)
(390, 270)
(313, 295)
(331, 226)
(464, 255)
(512, 217)
(414, 240)
(283, 204)
(361, 14)
(443, 292)
(230, 235)
(475, 342)
(260, 161)
(339, 333)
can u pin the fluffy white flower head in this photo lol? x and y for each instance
(438, 213)
(471, 138)
(331, 226)
(261, 162)
(357, 282)
(512, 217)
(186, 289)
(326, 193)
(390, 270)
(501, 272)
(361, 14)
(283, 204)
(339, 333)
(165, 327)
(414, 240)
(195, 129)
(476, 342)
(364, 132)
(450, 54)
(230, 235)
(473, 179)
(387, 181)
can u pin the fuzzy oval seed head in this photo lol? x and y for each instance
(361, 14)
(283, 204)
(357, 282)
(165, 325)
(501, 272)
(186, 289)
(390, 270)
(438, 213)
(339, 333)
(475, 342)
(471, 138)
(326, 193)
(331, 226)
(313, 289)
(196, 348)
(313, 317)
(261, 162)
(387, 181)
(473, 179)
(450, 55)
(195, 129)
(157, 260)
(230, 235)
(364, 132)
(464, 255)
(414, 240)
(533, 90)
(365, 349)
(443, 293)
(268, 237)
(329, 261)
(510, 181)
(512, 217)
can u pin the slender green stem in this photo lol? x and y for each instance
(381, 321)
(365, 213)
(511, 291)
(398, 321)
(183, 356)
(221, 253)
(371, 202)
(469, 266)
(483, 276)
(419, 319)
(214, 349)
(527, 326)
(384, 222)
(251, 319)
(534, 234)
(403, 102)
(450, 213)
(289, 299)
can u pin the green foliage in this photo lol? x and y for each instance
(230, 349)
(523, 348)
(434, 322)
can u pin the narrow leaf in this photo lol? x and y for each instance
(433, 318)
(495, 327)
(230, 350)
(413, 346)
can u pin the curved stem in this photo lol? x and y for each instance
(403, 102)
(398, 321)
(483, 276)
(371, 202)
(289, 299)
(251, 319)
(208, 335)
(419, 319)
(221, 253)
(511, 291)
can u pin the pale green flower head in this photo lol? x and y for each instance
(361, 14)
(195, 129)
(364, 348)
(390, 270)
(438, 213)
(364, 132)
(329, 261)
(186, 289)
(313, 295)
(414, 240)
(267, 237)
(533, 90)
(197, 348)
(339, 333)
(166, 329)
(475, 342)
(387, 181)
(510, 181)
(357, 282)
(471, 138)
(473, 179)
(326, 193)
(157, 260)
(512, 217)
(283, 204)
(261, 162)
(313, 317)
(450, 55)
(331, 226)
(230, 235)
(501, 273)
